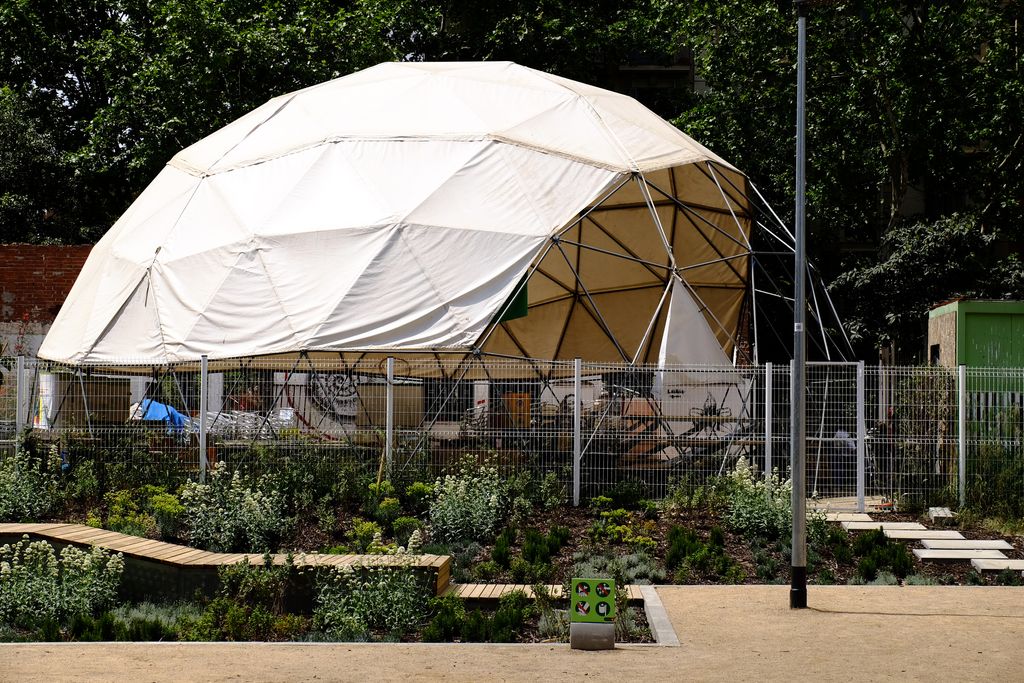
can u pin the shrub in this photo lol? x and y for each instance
(628, 494)
(166, 509)
(485, 571)
(418, 496)
(227, 515)
(1008, 577)
(28, 486)
(463, 555)
(125, 516)
(919, 580)
(388, 510)
(504, 626)
(363, 533)
(447, 623)
(353, 602)
(513, 610)
(476, 628)
(524, 571)
(682, 542)
(36, 586)
(551, 493)
(878, 553)
(148, 621)
(552, 624)
(404, 527)
(635, 568)
(148, 511)
(696, 560)
(250, 604)
(502, 553)
(758, 507)
(467, 507)
(623, 526)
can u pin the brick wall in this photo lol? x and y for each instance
(35, 280)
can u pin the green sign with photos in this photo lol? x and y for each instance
(592, 601)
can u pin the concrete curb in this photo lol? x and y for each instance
(657, 618)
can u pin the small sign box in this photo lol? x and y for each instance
(592, 601)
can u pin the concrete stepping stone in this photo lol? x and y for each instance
(847, 517)
(989, 565)
(951, 555)
(965, 544)
(884, 526)
(921, 534)
(941, 516)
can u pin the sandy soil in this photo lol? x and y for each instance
(727, 633)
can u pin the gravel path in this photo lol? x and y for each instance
(727, 632)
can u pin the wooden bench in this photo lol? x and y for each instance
(185, 557)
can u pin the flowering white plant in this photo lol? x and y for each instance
(467, 507)
(35, 585)
(227, 515)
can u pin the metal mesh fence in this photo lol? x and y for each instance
(892, 433)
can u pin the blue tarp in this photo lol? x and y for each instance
(154, 410)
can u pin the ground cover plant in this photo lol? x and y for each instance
(499, 526)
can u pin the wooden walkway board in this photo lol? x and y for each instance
(494, 591)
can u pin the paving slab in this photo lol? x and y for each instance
(847, 517)
(921, 534)
(940, 515)
(987, 565)
(965, 544)
(925, 554)
(864, 526)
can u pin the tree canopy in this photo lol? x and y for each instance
(915, 111)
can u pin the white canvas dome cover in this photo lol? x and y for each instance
(402, 209)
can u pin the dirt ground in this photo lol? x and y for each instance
(726, 633)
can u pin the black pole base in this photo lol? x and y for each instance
(798, 588)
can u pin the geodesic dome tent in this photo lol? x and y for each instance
(425, 208)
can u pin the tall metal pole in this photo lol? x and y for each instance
(798, 568)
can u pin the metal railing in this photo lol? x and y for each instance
(906, 435)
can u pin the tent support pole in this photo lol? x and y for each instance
(654, 320)
(85, 400)
(728, 204)
(642, 182)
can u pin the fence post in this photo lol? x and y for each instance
(861, 436)
(577, 431)
(204, 388)
(389, 420)
(767, 420)
(20, 412)
(792, 379)
(961, 385)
